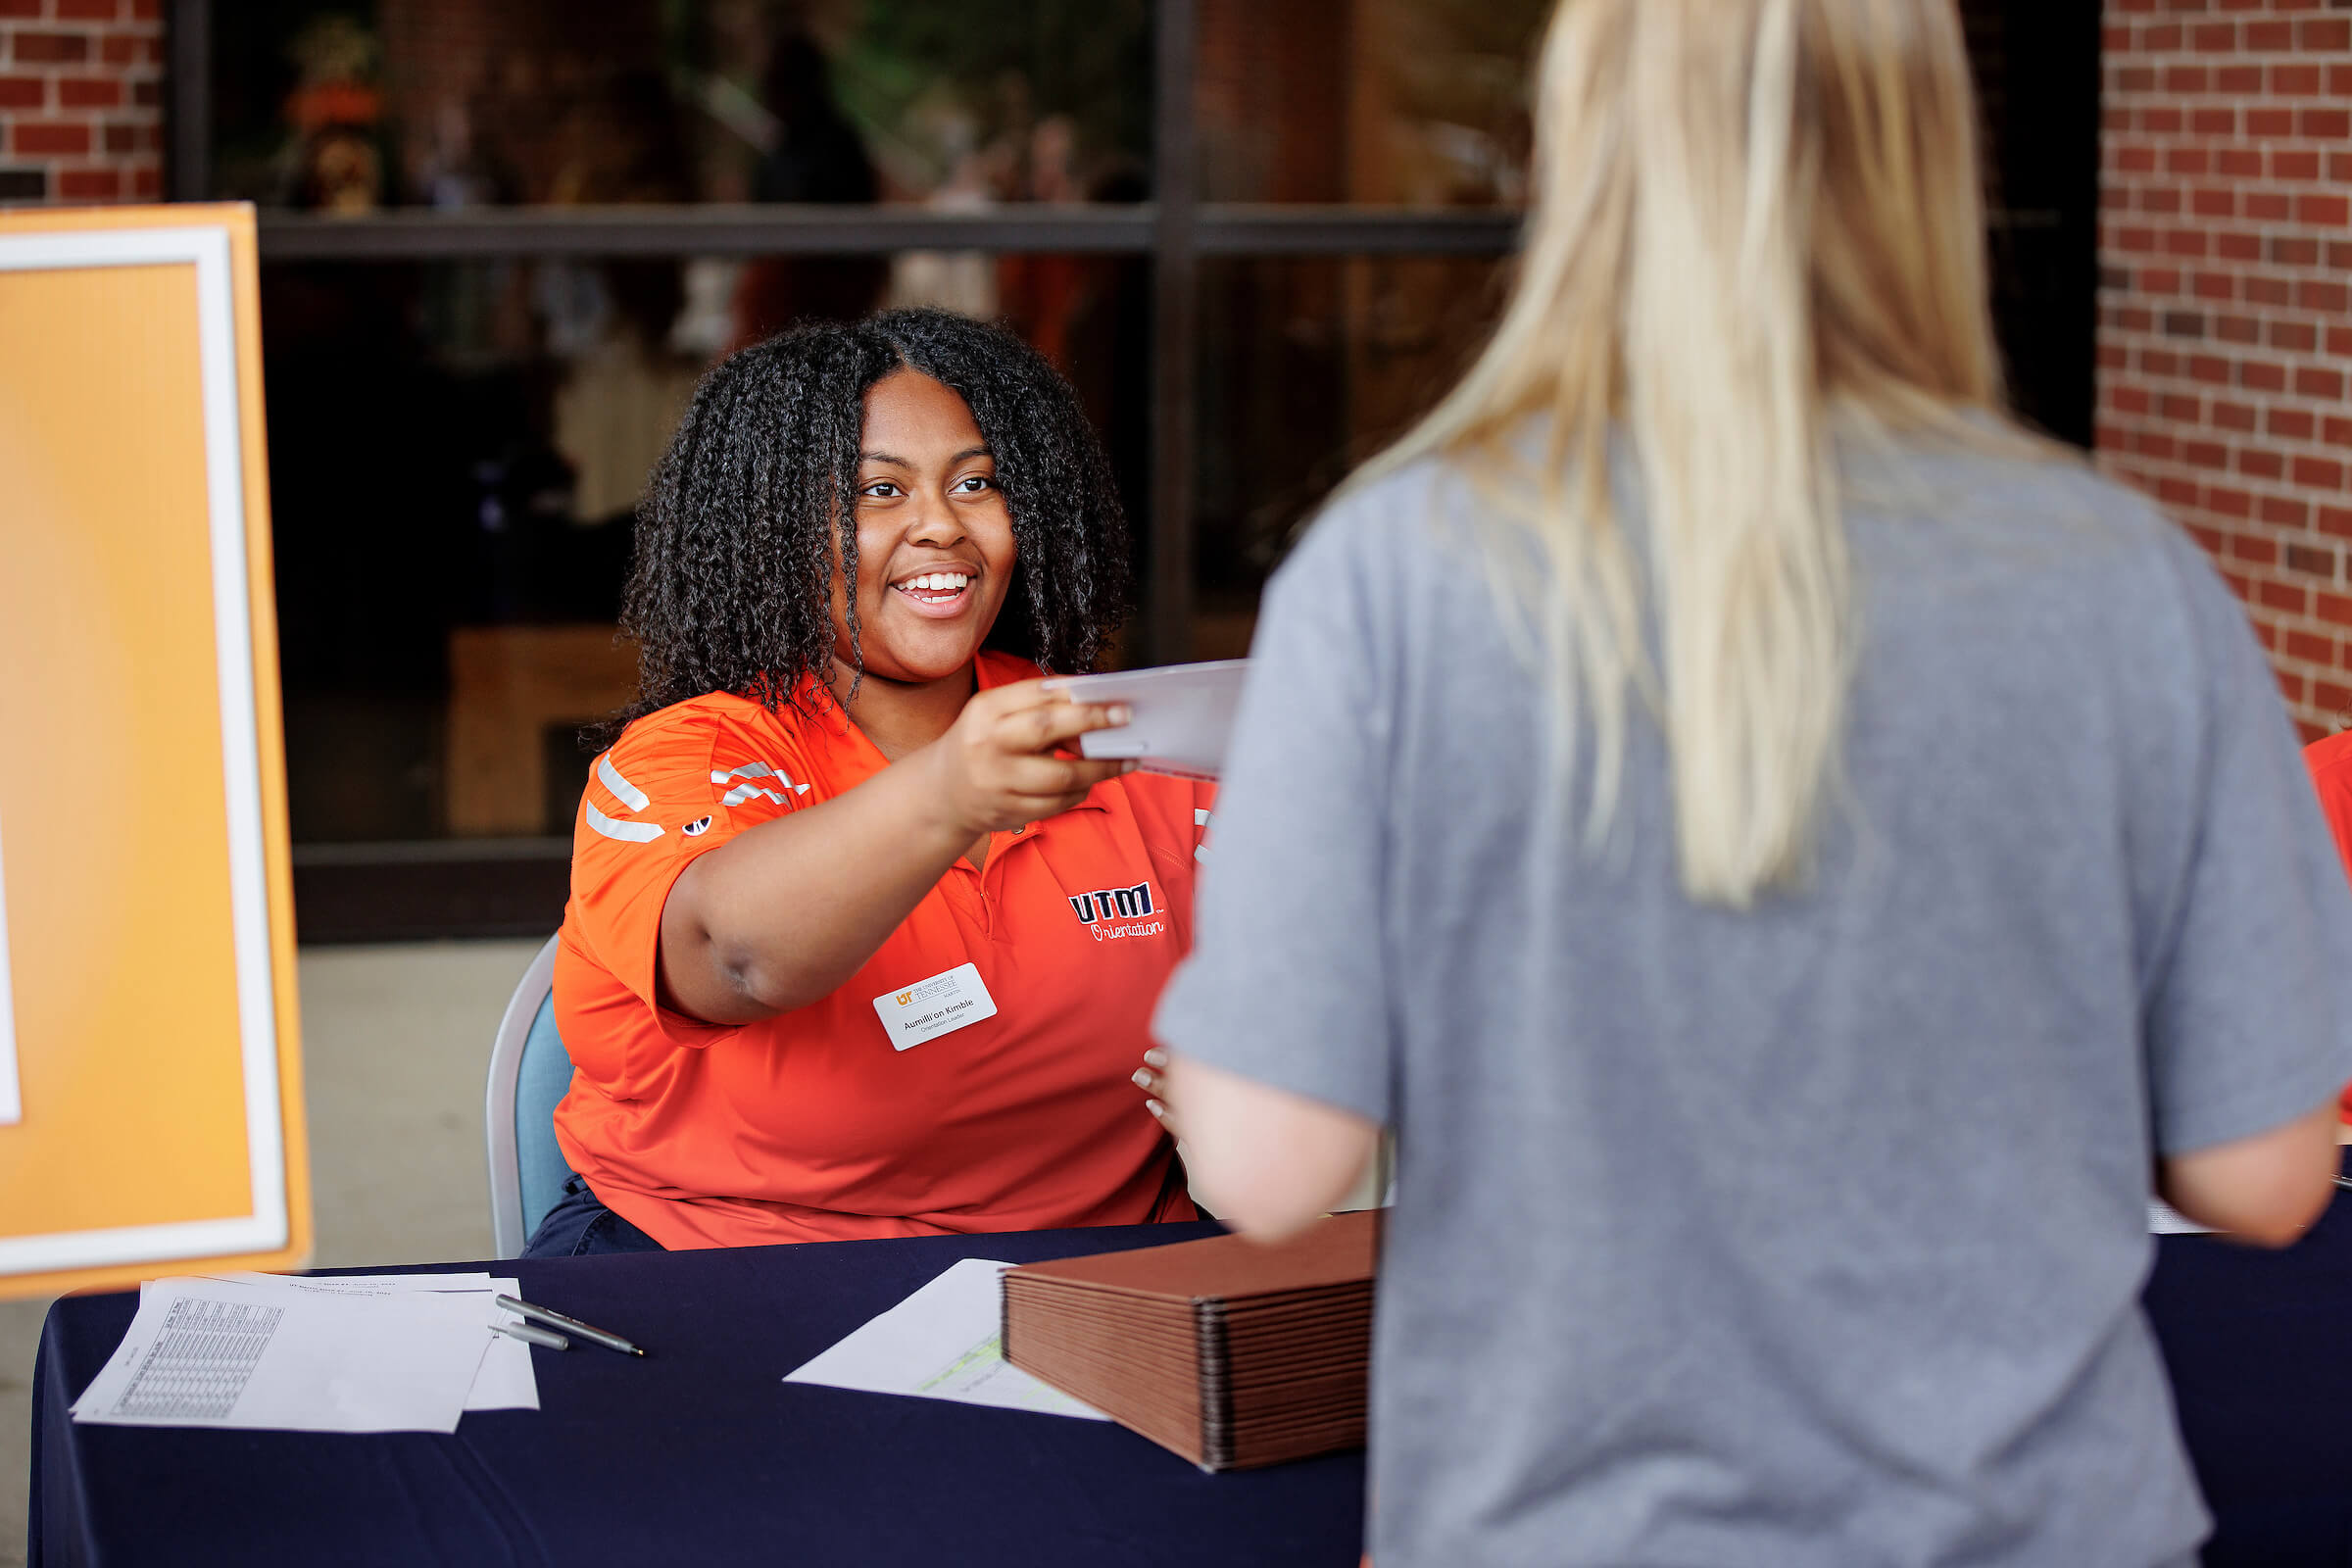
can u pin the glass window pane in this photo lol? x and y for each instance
(1308, 367)
(455, 450)
(1414, 103)
(351, 106)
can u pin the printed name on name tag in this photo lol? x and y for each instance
(932, 1008)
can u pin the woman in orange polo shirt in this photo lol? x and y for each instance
(856, 947)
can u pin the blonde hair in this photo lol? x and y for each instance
(1754, 219)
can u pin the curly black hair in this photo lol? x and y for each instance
(731, 588)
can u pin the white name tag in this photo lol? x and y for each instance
(932, 1008)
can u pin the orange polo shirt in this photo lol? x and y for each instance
(2331, 762)
(810, 1126)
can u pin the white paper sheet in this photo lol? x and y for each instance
(504, 1381)
(942, 1343)
(217, 1352)
(1182, 714)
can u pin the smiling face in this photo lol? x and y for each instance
(935, 547)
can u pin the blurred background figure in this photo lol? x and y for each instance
(1789, 853)
(816, 156)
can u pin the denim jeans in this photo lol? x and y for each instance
(581, 1226)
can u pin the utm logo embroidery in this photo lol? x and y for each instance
(1112, 904)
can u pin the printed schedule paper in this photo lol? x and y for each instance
(942, 1343)
(278, 1353)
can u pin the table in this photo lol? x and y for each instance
(698, 1454)
(701, 1452)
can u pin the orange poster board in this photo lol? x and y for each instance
(150, 1060)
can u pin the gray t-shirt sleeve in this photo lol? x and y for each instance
(2249, 998)
(1285, 984)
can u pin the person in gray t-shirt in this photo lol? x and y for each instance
(1774, 1136)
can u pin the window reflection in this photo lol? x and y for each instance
(347, 107)
(1415, 102)
(1308, 367)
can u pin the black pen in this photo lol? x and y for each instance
(572, 1325)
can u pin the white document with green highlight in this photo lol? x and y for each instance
(942, 1343)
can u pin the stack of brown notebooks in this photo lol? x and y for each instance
(1231, 1353)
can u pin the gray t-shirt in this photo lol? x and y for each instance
(1814, 1233)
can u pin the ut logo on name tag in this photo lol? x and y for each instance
(932, 1008)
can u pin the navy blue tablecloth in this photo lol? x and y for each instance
(699, 1453)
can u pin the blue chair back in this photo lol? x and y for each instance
(530, 1073)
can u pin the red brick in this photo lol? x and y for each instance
(49, 48)
(2270, 37)
(2269, 206)
(2155, 443)
(2319, 474)
(23, 92)
(2190, 159)
(2269, 291)
(20, 8)
(2224, 122)
(2283, 596)
(89, 92)
(2244, 80)
(2295, 337)
(2337, 521)
(2237, 329)
(2315, 123)
(2210, 369)
(87, 10)
(2158, 199)
(2328, 695)
(2332, 607)
(2233, 416)
(2244, 163)
(49, 138)
(2311, 381)
(2206, 455)
(147, 184)
(2337, 432)
(119, 49)
(2291, 425)
(2299, 80)
(2261, 462)
(2253, 547)
(90, 185)
(147, 9)
(2333, 33)
(2328, 211)
(2294, 164)
(2309, 646)
(2284, 512)
(2330, 298)
(2230, 503)
(2260, 376)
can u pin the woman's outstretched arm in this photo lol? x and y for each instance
(785, 912)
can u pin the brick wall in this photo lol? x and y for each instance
(2225, 338)
(81, 93)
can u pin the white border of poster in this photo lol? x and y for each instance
(266, 1228)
